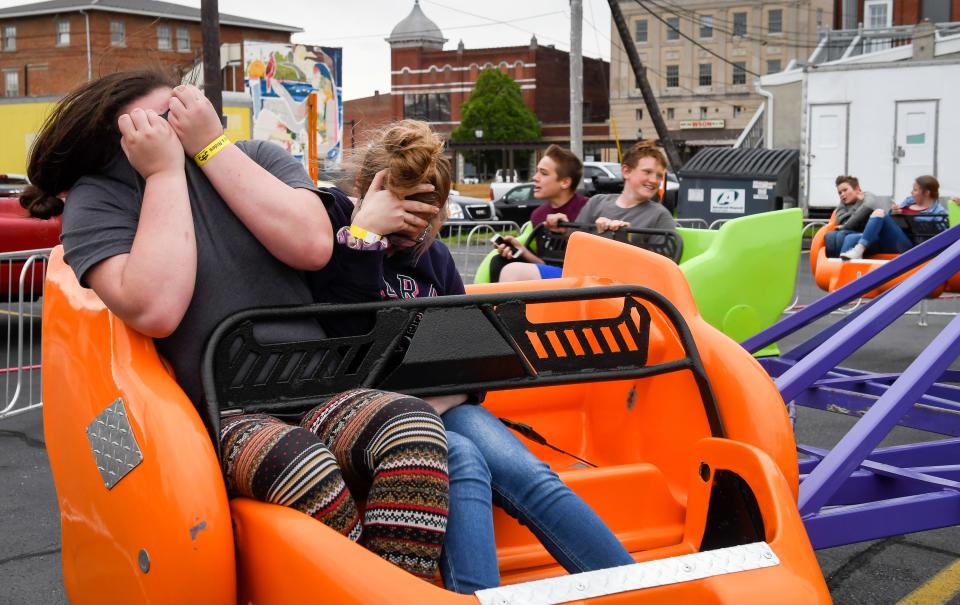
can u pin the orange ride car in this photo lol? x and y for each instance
(709, 519)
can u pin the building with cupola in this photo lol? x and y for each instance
(430, 83)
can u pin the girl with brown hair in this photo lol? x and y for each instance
(487, 463)
(175, 228)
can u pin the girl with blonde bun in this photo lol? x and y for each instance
(383, 253)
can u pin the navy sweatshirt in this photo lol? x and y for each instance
(363, 276)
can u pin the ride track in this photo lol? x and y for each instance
(857, 492)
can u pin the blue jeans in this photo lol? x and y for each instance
(489, 465)
(882, 235)
(835, 239)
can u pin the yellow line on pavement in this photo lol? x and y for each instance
(938, 589)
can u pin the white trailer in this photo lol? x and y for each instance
(885, 123)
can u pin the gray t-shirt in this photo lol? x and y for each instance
(234, 270)
(854, 217)
(648, 215)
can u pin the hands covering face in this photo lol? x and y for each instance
(386, 211)
(154, 145)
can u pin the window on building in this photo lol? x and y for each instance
(673, 28)
(773, 66)
(429, 107)
(737, 110)
(640, 31)
(11, 83)
(704, 113)
(706, 26)
(673, 76)
(669, 113)
(819, 17)
(10, 37)
(739, 73)
(739, 24)
(638, 114)
(183, 39)
(118, 33)
(877, 14)
(775, 21)
(163, 37)
(937, 11)
(706, 74)
(63, 33)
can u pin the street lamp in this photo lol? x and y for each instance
(479, 134)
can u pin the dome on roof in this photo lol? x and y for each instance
(416, 30)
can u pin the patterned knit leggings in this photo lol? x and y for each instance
(384, 449)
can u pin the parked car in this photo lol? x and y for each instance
(18, 231)
(12, 185)
(462, 209)
(517, 204)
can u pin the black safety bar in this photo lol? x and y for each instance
(438, 346)
(552, 247)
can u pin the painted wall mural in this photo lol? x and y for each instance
(285, 81)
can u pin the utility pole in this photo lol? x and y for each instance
(210, 34)
(576, 77)
(641, 73)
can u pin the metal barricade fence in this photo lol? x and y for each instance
(21, 291)
(692, 223)
(469, 243)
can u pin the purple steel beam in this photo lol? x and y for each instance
(857, 444)
(857, 523)
(864, 486)
(856, 379)
(944, 451)
(801, 350)
(855, 289)
(869, 323)
(928, 414)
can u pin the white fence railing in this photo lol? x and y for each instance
(469, 243)
(21, 291)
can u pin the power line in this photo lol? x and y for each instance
(457, 27)
(715, 54)
(496, 21)
(679, 11)
(658, 73)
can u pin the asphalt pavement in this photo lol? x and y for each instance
(874, 573)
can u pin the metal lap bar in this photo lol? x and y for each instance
(672, 246)
(232, 350)
(639, 576)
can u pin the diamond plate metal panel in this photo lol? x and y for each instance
(115, 449)
(638, 576)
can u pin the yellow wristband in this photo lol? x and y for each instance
(211, 150)
(362, 234)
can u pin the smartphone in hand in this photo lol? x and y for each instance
(498, 239)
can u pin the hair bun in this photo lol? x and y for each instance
(40, 204)
(414, 151)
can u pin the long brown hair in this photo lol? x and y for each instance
(930, 184)
(412, 154)
(80, 136)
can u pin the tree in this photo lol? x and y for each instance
(496, 107)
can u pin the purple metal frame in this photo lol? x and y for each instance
(856, 492)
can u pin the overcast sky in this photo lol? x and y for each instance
(360, 26)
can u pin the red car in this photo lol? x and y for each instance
(20, 232)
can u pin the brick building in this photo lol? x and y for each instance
(430, 83)
(47, 48)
